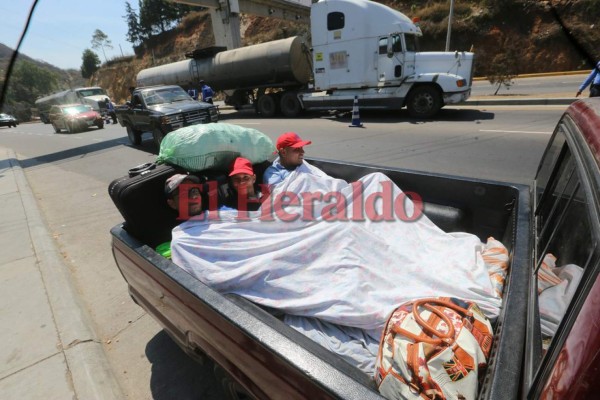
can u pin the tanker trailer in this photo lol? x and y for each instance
(361, 51)
(244, 74)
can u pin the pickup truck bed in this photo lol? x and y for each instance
(271, 360)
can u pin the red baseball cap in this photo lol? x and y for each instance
(291, 139)
(241, 166)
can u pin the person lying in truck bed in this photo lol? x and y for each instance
(345, 254)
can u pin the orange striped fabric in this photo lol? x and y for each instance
(546, 275)
(495, 256)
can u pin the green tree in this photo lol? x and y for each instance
(30, 82)
(134, 31)
(100, 41)
(90, 63)
(153, 17)
(157, 16)
(27, 83)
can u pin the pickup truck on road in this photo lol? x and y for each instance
(160, 110)
(257, 356)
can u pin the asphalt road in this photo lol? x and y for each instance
(70, 174)
(563, 85)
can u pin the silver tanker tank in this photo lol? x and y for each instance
(285, 62)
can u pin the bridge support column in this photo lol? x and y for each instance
(226, 24)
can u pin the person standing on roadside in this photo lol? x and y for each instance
(207, 92)
(192, 91)
(594, 79)
(110, 109)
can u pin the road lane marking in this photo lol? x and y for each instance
(503, 131)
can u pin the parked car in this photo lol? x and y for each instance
(8, 120)
(74, 117)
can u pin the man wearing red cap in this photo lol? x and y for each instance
(290, 148)
(246, 196)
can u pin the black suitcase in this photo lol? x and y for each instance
(140, 198)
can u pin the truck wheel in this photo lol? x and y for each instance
(231, 389)
(424, 102)
(267, 106)
(290, 105)
(56, 128)
(134, 136)
(158, 137)
(100, 125)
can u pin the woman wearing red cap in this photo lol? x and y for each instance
(290, 148)
(242, 180)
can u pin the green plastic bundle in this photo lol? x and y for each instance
(214, 146)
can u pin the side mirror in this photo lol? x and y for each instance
(390, 48)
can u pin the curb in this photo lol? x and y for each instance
(89, 369)
(532, 101)
(520, 102)
(541, 74)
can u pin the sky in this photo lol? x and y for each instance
(61, 30)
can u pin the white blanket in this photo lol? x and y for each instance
(349, 273)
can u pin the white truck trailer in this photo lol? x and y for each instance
(93, 96)
(359, 49)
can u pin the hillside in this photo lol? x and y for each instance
(544, 36)
(65, 75)
(547, 35)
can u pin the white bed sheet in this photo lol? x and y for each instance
(345, 272)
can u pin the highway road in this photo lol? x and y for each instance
(542, 86)
(70, 174)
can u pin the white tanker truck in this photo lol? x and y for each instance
(359, 49)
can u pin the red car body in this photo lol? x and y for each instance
(74, 118)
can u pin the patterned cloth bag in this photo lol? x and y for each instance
(433, 348)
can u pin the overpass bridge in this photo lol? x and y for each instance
(225, 15)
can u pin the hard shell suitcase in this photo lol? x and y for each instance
(140, 198)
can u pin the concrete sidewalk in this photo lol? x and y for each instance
(49, 348)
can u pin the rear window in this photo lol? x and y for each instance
(566, 246)
(335, 20)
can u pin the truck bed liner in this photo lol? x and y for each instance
(270, 359)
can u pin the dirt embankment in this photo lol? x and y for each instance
(547, 36)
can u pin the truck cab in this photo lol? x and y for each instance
(368, 50)
(562, 344)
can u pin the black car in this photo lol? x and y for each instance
(160, 110)
(8, 120)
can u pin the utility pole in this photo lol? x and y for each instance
(449, 25)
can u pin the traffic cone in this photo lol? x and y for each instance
(355, 117)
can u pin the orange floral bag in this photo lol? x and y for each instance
(433, 348)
